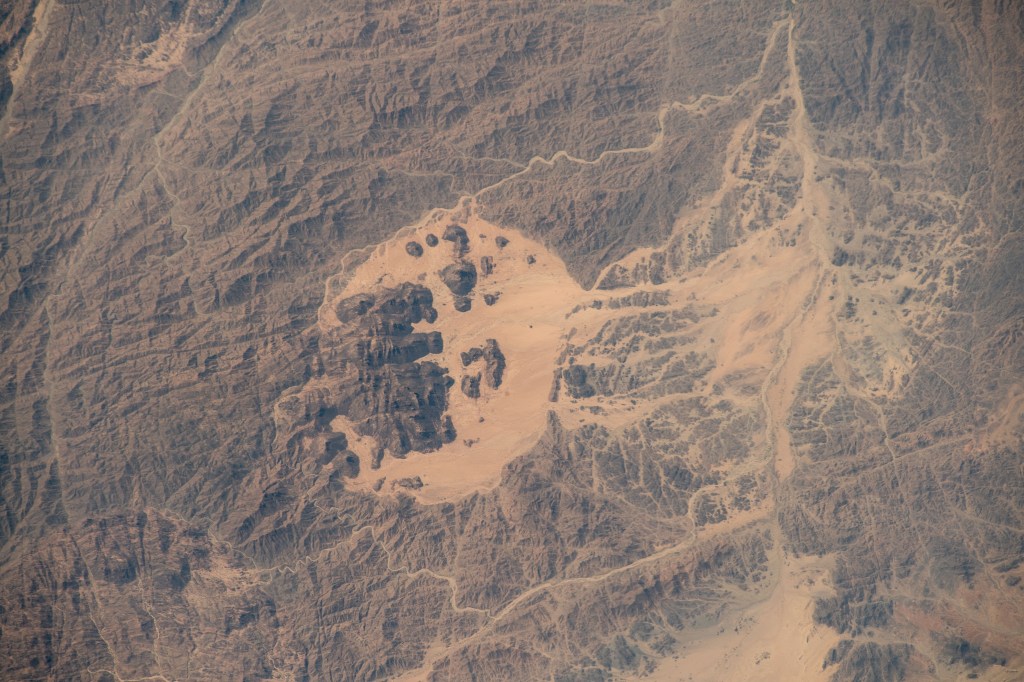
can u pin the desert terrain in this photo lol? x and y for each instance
(511, 341)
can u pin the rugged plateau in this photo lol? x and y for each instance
(511, 340)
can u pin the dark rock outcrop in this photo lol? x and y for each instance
(471, 385)
(448, 433)
(459, 277)
(334, 444)
(874, 661)
(354, 307)
(556, 387)
(349, 466)
(494, 362)
(576, 382)
(463, 304)
(491, 299)
(336, 450)
(388, 336)
(457, 235)
(431, 240)
(374, 366)
(501, 242)
(470, 356)
(414, 249)
(486, 265)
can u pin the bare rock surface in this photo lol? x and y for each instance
(754, 407)
(471, 385)
(460, 277)
(373, 376)
(456, 234)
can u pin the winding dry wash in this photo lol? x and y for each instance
(509, 341)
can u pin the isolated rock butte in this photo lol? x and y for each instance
(457, 235)
(459, 277)
(471, 385)
(494, 361)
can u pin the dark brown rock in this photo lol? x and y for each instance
(470, 356)
(354, 307)
(431, 240)
(471, 385)
(414, 249)
(335, 444)
(448, 433)
(576, 382)
(350, 465)
(459, 277)
(376, 365)
(457, 235)
(556, 387)
(494, 361)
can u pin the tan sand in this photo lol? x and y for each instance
(775, 639)
(527, 321)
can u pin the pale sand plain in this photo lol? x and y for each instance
(773, 639)
(527, 321)
(760, 288)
